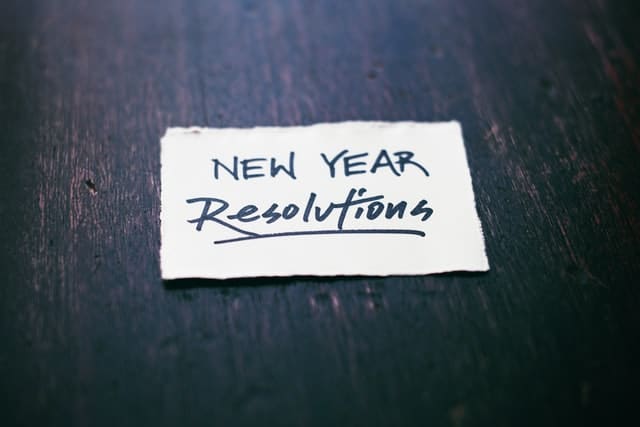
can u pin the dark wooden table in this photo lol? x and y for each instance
(548, 95)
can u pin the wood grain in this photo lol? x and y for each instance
(548, 96)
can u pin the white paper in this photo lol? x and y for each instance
(421, 164)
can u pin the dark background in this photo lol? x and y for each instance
(548, 96)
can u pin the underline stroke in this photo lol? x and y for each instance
(319, 232)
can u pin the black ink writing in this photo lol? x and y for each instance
(254, 167)
(213, 210)
(354, 164)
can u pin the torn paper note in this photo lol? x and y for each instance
(353, 198)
